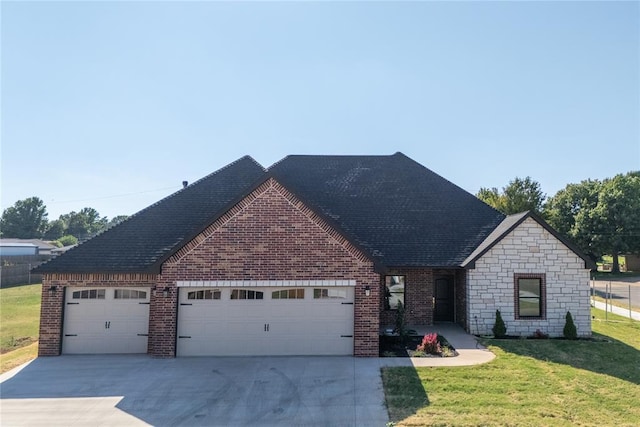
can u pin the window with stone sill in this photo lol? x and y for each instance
(530, 296)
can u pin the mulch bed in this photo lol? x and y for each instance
(391, 346)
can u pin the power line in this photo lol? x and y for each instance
(114, 196)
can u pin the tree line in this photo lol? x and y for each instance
(602, 217)
(27, 219)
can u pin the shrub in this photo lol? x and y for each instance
(68, 240)
(401, 327)
(430, 344)
(447, 351)
(538, 334)
(569, 330)
(499, 329)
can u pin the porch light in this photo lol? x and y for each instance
(367, 290)
(52, 289)
(165, 292)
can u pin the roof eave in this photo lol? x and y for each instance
(588, 263)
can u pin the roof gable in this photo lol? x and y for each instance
(510, 223)
(271, 228)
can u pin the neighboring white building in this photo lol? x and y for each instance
(17, 249)
(14, 247)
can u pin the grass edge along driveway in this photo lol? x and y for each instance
(19, 324)
(530, 383)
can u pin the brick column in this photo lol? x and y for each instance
(51, 319)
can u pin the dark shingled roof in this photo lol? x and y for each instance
(146, 239)
(396, 210)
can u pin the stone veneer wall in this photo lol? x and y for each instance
(529, 248)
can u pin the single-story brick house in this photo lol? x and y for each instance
(308, 257)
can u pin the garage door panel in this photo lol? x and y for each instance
(268, 326)
(126, 309)
(125, 327)
(105, 325)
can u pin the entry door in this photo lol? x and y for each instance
(444, 298)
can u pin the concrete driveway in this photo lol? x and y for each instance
(139, 390)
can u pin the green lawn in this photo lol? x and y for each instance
(530, 383)
(19, 322)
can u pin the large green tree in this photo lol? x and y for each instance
(518, 196)
(570, 205)
(117, 220)
(26, 219)
(602, 217)
(55, 230)
(84, 224)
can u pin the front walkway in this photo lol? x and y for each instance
(470, 351)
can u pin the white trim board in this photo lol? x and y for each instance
(262, 283)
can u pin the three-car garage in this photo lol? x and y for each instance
(217, 318)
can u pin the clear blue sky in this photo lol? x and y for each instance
(112, 105)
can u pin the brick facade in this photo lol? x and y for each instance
(529, 249)
(419, 294)
(269, 235)
(51, 310)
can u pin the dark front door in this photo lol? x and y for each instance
(444, 300)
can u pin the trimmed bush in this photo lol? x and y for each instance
(569, 330)
(499, 328)
(401, 327)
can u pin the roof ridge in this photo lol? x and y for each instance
(245, 157)
(278, 162)
(331, 155)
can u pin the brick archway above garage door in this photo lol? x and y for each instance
(99, 320)
(251, 318)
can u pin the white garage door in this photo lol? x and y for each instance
(249, 321)
(106, 320)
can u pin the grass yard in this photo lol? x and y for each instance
(19, 322)
(530, 383)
